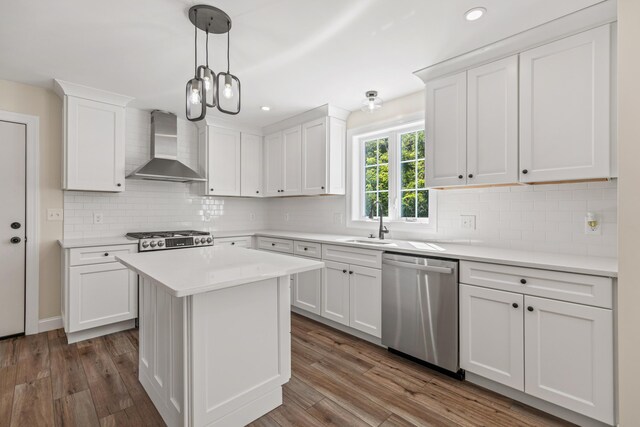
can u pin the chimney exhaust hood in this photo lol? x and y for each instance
(164, 164)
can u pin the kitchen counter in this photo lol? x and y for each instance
(192, 271)
(96, 241)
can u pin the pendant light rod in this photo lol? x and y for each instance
(228, 47)
(195, 56)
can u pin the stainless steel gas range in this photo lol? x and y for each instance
(161, 240)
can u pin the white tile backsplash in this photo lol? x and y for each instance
(546, 218)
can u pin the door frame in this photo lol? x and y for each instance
(32, 270)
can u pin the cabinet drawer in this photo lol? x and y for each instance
(277, 245)
(571, 287)
(308, 249)
(355, 256)
(99, 254)
(243, 241)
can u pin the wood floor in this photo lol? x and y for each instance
(337, 380)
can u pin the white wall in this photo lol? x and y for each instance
(154, 205)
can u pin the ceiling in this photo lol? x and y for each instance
(292, 55)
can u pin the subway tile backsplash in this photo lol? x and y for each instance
(546, 218)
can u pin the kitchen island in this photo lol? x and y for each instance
(215, 345)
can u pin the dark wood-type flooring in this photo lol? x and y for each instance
(337, 380)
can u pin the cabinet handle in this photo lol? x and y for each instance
(106, 254)
(460, 176)
(530, 308)
(523, 281)
(515, 305)
(525, 171)
(344, 271)
(119, 185)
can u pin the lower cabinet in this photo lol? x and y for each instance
(351, 295)
(240, 241)
(306, 289)
(557, 351)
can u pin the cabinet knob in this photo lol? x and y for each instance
(119, 185)
(523, 281)
(525, 171)
(515, 305)
(273, 244)
(344, 271)
(106, 254)
(15, 240)
(470, 175)
(530, 308)
(322, 187)
(211, 189)
(15, 225)
(351, 272)
(460, 176)
(233, 243)
(305, 249)
(257, 191)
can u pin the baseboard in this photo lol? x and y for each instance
(99, 331)
(49, 324)
(338, 326)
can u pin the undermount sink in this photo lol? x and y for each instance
(372, 242)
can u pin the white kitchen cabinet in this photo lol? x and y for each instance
(306, 290)
(250, 165)
(446, 131)
(239, 242)
(323, 156)
(569, 356)
(291, 164)
(99, 294)
(491, 339)
(223, 161)
(492, 123)
(565, 89)
(94, 138)
(335, 292)
(273, 162)
(365, 300)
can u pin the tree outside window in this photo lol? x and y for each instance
(376, 181)
(414, 195)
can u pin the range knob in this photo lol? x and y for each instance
(209, 240)
(197, 240)
(153, 243)
(145, 244)
(161, 243)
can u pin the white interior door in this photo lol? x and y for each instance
(12, 224)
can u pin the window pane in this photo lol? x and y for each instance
(408, 146)
(383, 177)
(370, 152)
(371, 178)
(408, 173)
(423, 204)
(384, 150)
(408, 204)
(369, 198)
(420, 172)
(421, 153)
(384, 203)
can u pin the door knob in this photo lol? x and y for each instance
(15, 225)
(16, 240)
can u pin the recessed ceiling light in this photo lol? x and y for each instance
(265, 108)
(475, 13)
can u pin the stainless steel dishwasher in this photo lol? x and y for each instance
(420, 308)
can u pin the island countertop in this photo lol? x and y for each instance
(187, 272)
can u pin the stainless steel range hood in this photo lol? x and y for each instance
(164, 164)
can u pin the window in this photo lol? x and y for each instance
(389, 168)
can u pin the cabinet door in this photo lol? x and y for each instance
(446, 131)
(565, 108)
(335, 292)
(569, 356)
(307, 290)
(491, 335)
(94, 149)
(492, 123)
(365, 300)
(273, 162)
(250, 165)
(100, 294)
(314, 157)
(292, 168)
(224, 162)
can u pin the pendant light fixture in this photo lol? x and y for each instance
(371, 103)
(206, 89)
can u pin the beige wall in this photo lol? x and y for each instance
(24, 99)
(392, 110)
(628, 211)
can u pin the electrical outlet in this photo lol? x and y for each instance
(252, 216)
(286, 217)
(98, 218)
(468, 222)
(55, 214)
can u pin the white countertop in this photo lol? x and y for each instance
(96, 241)
(187, 272)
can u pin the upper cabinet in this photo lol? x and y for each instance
(94, 138)
(223, 162)
(250, 165)
(538, 116)
(291, 167)
(565, 91)
(273, 161)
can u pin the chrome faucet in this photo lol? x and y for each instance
(383, 229)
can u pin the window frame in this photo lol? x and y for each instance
(356, 217)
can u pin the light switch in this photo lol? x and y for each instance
(55, 214)
(98, 218)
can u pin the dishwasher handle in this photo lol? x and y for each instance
(443, 270)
